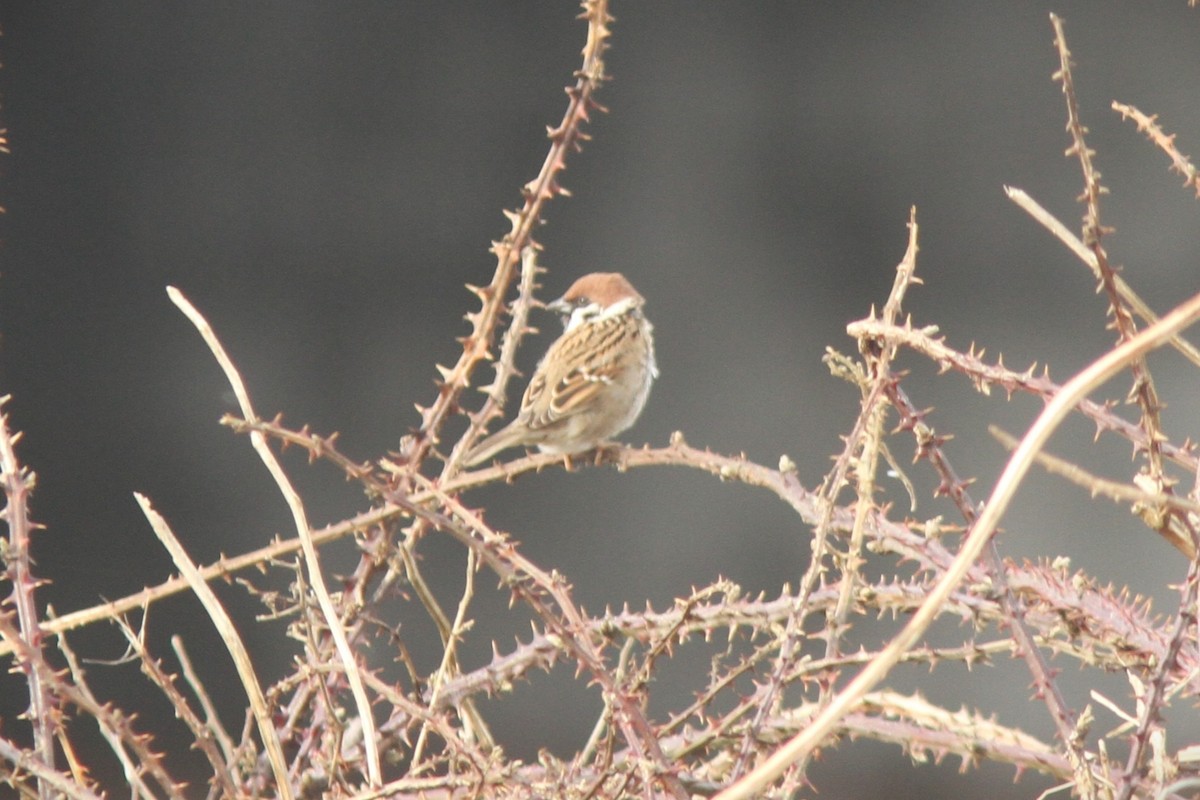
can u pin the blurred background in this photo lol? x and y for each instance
(322, 179)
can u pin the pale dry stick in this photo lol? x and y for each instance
(74, 764)
(447, 668)
(303, 531)
(1114, 490)
(1073, 243)
(905, 271)
(233, 643)
(211, 719)
(1051, 417)
(217, 571)
(865, 469)
(1172, 791)
(77, 770)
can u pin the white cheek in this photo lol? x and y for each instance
(580, 316)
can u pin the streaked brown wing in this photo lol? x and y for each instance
(574, 371)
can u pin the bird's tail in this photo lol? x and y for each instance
(506, 437)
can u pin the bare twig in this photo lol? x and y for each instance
(132, 749)
(447, 668)
(14, 754)
(1120, 492)
(303, 531)
(1165, 142)
(564, 138)
(1099, 371)
(533, 585)
(1093, 231)
(1073, 243)
(201, 733)
(930, 446)
(212, 720)
(233, 642)
(1150, 706)
(18, 483)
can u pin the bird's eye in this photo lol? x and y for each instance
(580, 302)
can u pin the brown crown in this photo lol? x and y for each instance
(604, 288)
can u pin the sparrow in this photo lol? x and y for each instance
(593, 381)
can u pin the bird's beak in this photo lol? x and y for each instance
(560, 307)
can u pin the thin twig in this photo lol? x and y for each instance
(931, 446)
(1076, 246)
(201, 734)
(1055, 412)
(1150, 706)
(233, 643)
(18, 483)
(303, 531)
(1119, 492)
(565, 138)
(45, 774)
(212, 720)
(1093, 232)
(1165, 142)
(533, 584)
(861, 450)
(447, 668)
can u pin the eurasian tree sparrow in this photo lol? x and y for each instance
(593, 381)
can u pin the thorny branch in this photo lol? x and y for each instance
(1093, 231)
(335, 727)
